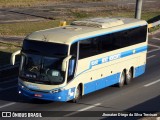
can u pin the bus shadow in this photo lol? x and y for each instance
(13, 96)
(154, 19)
(6, 69)
(29, 14)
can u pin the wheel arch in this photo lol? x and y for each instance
(81, 88)
(132, 68)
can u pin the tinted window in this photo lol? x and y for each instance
(44, 48)
(89, 47)
(73, 50)
(109, 42)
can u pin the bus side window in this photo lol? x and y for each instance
(107, 43)
(88, 47)
(121, 39)
(73, 49)
(72, 62)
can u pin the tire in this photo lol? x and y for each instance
(77, 95)
(122, 80)
(129, 77)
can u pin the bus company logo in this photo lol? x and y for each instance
(114, 57)
(6, 114)
(71, 92)
(95, 62)
(104, 60)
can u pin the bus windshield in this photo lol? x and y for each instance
(44, 48)
(40, 65)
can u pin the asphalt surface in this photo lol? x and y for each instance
(143, 94)
(12, 38)
(63, 10)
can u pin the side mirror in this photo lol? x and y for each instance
(13, 56)
(65, 62)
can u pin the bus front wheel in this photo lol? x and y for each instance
(77, 95)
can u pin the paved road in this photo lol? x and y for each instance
(12, 38)
(63, 10)
(143, 94)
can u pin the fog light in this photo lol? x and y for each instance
(59, 97)
(19, 92)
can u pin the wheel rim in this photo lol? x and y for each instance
(77, 93)
(129, 76)
(122, 78)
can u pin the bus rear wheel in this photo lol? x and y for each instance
(129, 77)
(77, 95)
(122, 80)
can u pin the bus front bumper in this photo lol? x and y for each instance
(61, 96)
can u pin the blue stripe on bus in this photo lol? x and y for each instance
(139, 70)
(141, 49)
(105, 33)
(101, 83)
(117, 56)
(120, 55)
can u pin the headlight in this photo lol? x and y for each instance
(57, 90)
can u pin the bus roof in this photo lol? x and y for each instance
(79, 30)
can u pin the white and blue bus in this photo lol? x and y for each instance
(67, 62)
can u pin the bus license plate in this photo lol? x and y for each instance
(37, 95)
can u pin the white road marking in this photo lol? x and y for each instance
(8, 81)
(156, 38)
(3, 89)
(154, 45)
(151, 56)
(149, 84)
(153, 50)
(92, 106)
(131, 3)
(6, 105)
